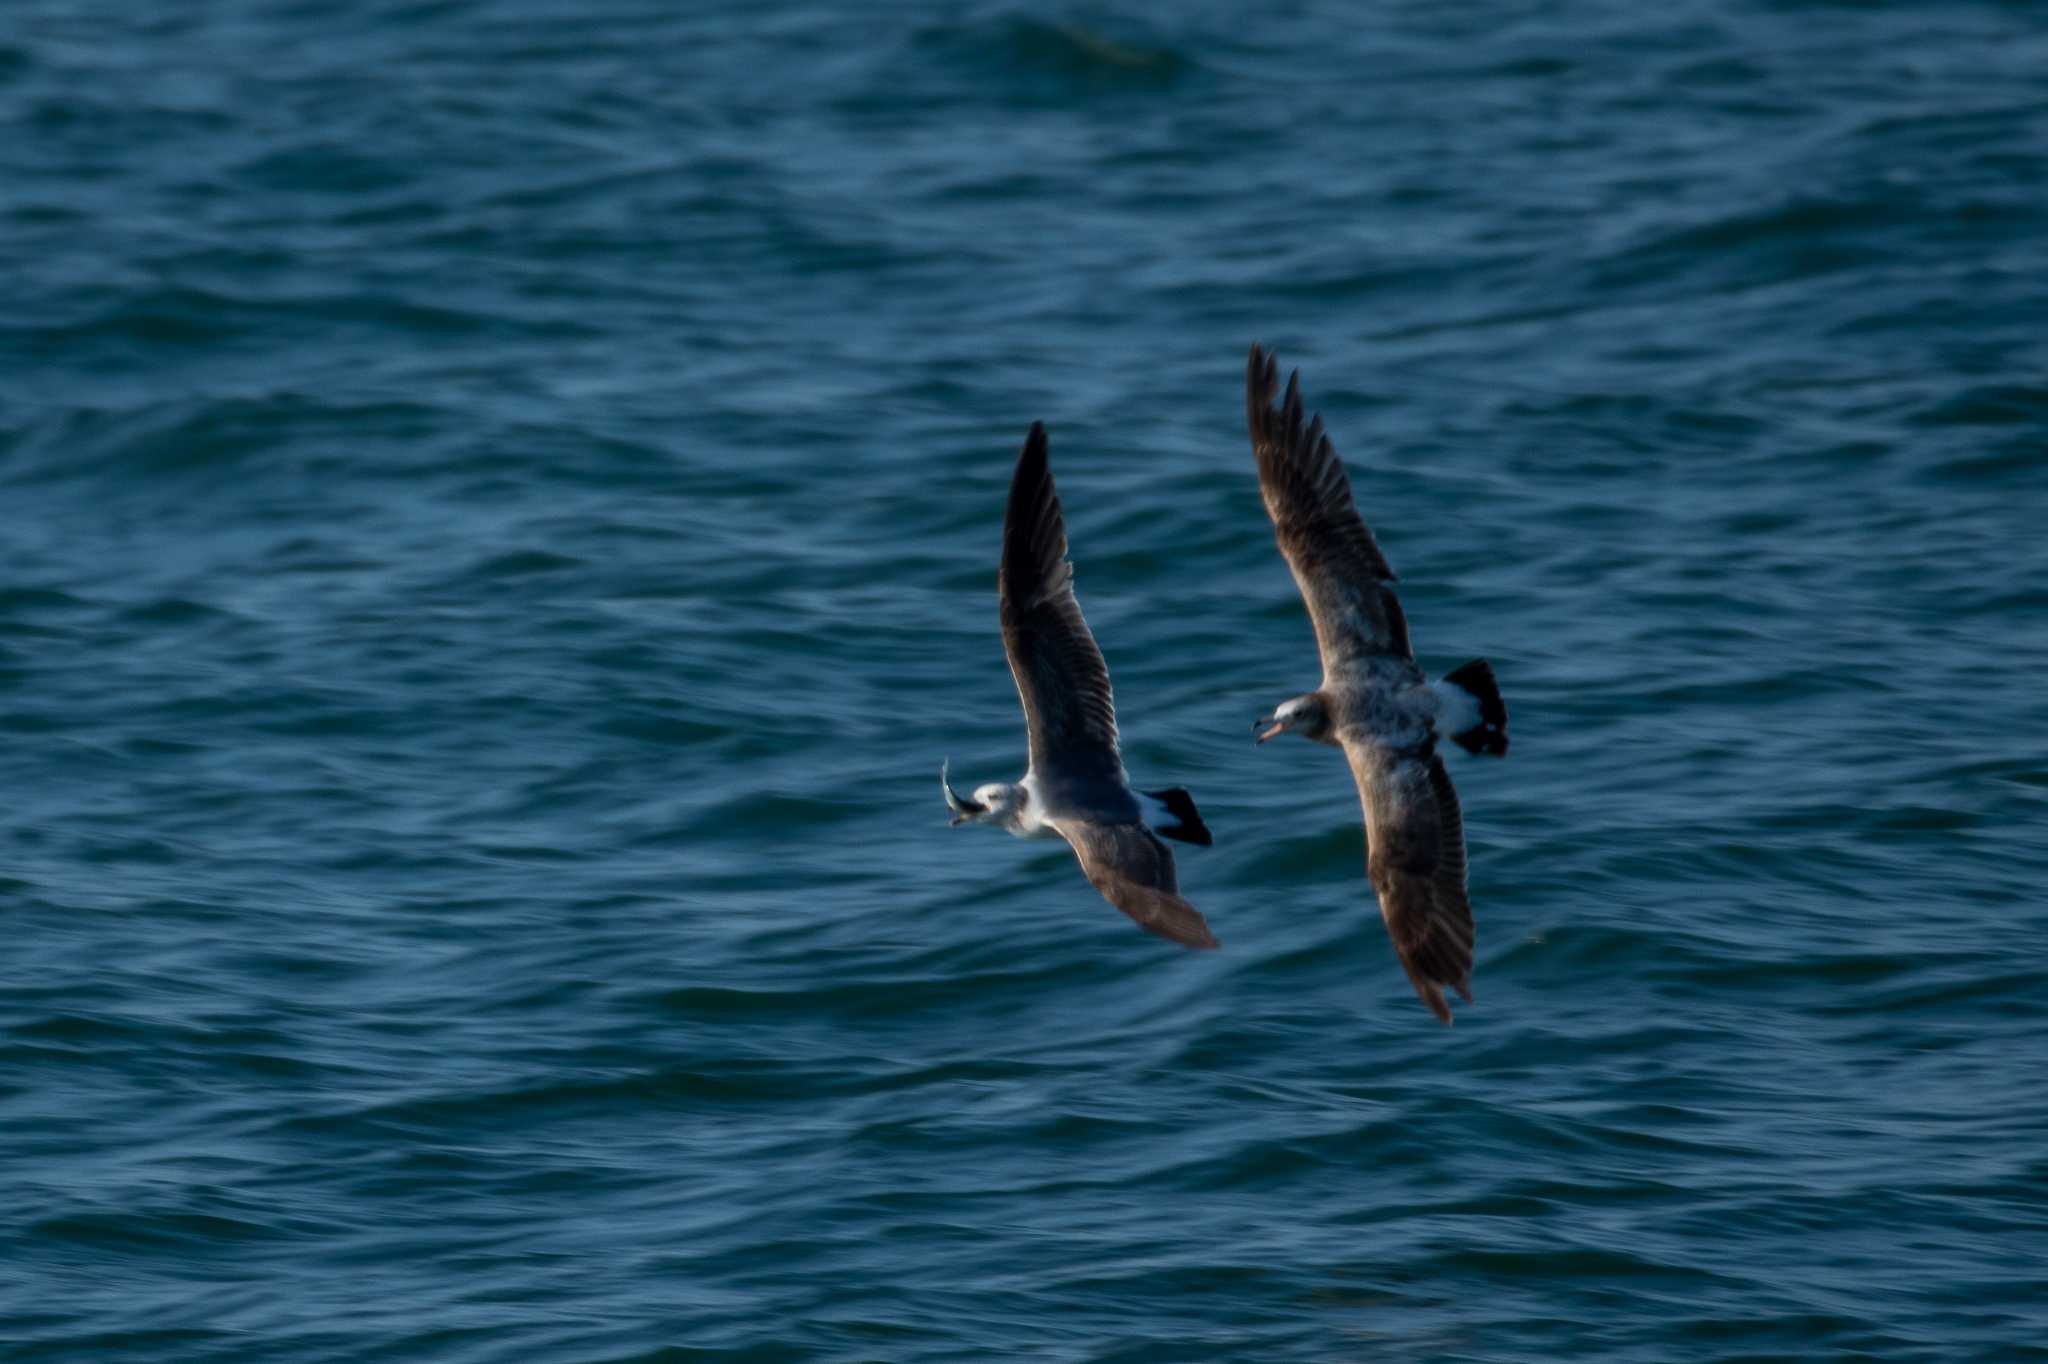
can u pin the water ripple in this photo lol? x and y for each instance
(503, 514)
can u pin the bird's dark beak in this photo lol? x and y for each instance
(1278, 727)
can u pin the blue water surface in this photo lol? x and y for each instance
(500, 502)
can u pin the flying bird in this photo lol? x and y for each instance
(1075, 786)
(1374, 702)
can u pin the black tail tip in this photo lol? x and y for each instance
(1490, 735)
(1187, 823)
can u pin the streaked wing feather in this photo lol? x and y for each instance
(1134, 872)
(1343, 577)
(1415, 857)
(1061, 679)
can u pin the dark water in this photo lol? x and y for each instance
(500, 505)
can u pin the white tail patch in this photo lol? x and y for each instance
(1470, 711)
(1457, 710)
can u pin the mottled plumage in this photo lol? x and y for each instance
(1374, 702)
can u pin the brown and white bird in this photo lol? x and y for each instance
(1374, 702)
(1075, 784)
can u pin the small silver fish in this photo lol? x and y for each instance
(963, 810)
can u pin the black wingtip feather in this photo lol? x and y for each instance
(1261, 380)
(1033, 455)
(1034, 531)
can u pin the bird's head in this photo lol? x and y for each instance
(991, 801)
(999, 798)
(1304, 715)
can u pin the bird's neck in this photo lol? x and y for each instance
(1021, 815)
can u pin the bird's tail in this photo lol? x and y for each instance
(1179, 818)
(1477, 717)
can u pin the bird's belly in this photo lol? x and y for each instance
(1392, 719)
(1097, 801)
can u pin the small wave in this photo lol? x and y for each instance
(1796, 238)
(17, 603)
(1989, 405)
(173, 611)
(153, 1232)
(326, 168)
(128, 325)
(519, 563)
(212, 437)
(1029, 60)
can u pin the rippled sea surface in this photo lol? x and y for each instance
(499, 506)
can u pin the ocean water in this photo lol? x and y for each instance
(499, 505)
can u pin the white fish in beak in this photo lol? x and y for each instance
(963, 810)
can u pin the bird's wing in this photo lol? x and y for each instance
(1134, 872)
(1415, 856)
(1061, 678)
(1342, 575)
